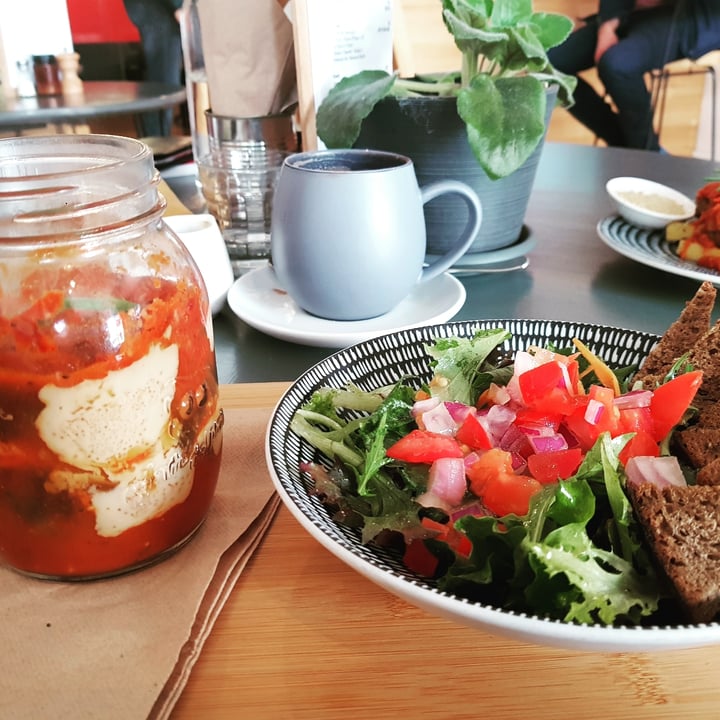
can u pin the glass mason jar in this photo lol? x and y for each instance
(110, 428)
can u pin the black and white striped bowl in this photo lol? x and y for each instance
(386, 359)
(650, 247)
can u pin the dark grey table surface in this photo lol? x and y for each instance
(99, 99)
(572, 274)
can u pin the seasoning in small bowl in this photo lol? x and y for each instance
(648, 204)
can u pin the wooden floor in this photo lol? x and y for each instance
(681, 121)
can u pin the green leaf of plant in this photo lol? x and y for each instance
(510, 12)
(474, 13)
(505, 121)
(475, 39)
(551, 28)
(348, 103)
(525, 52)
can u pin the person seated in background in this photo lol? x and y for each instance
(157, 23)
(625, 40)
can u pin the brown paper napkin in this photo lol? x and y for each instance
(124, 647)
(249, 57)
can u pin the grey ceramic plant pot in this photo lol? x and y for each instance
(430, 132)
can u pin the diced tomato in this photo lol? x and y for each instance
(548, 467)
(532, 417)
(584, 432)
(486, 467)
(537, 382)
(509, 494)
(473, 433)
(458, 541)
(607, 420)
(642, 444)
(502, 491)
(594, 414)
(419, 559)
(422, 446)
(556, 402)
(635, 420)
(670, 401)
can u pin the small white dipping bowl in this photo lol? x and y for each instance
(648, 204)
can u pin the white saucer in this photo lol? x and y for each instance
(258, 299)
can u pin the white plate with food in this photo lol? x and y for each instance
(649, 204)
(301, 472)
(257, 298)
(651, 248)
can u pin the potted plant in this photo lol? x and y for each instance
(498, 104)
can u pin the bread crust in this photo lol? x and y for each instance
(691, 326)
(682, 528)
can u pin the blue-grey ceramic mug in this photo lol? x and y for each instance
(348, 235)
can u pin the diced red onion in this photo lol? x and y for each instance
(446, 483)
(499, 419)
(519, 463)
(523, 362)
(513, 388)
(422, 406)
(458, 411)
(633, 399)
(548, 443)
(499, 394)
(594, 411)
(515, 441)
(661, 471)
(565, 384)
(529, 430)
(438, 420)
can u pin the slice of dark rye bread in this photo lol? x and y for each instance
(682, 524)
(682, 527)
(692, 324)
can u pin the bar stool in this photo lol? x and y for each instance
(683, 68)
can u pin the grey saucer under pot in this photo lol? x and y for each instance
(430, 132)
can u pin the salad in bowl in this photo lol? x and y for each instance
(487, 474)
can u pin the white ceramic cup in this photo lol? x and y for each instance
(202, 237)
(348, 231)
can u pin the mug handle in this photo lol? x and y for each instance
(449, 258)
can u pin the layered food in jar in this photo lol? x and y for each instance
(110, 426)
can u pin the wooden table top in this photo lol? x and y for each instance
(304, 636)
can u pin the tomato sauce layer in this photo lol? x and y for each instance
(110, 430)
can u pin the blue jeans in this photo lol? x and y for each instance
(647, 41)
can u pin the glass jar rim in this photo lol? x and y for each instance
(74, 185)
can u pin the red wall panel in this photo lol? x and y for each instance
(100, 21)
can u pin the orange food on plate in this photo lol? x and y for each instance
(700, 238)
